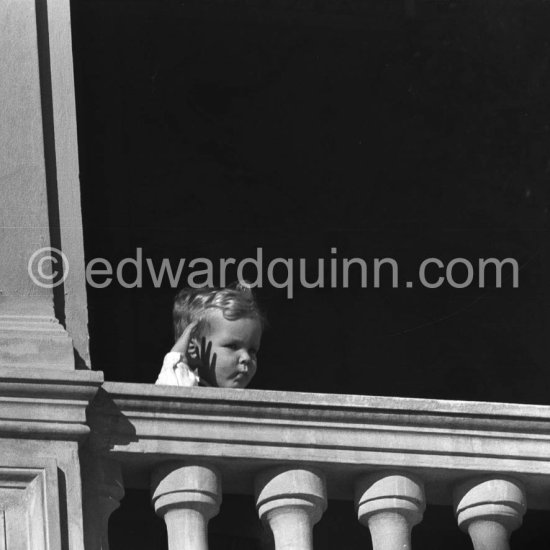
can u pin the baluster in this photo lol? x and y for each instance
(489, 510)
(186, 496)
(103, 490)
(291, 502)
(390, 504)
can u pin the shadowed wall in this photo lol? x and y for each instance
(211, 130)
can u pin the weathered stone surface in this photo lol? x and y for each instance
(29, 496)
(390, 504)
(291, 501)
(489, 509)
(103, 489)
(42, 424)
(40, 189)
(34, 341)
(46, 404)
(346, 436)
(186, 496)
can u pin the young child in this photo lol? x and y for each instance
(218, 333)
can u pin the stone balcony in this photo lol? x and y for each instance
(63, 430)
(294, 451)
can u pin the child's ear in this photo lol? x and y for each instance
(193, 348)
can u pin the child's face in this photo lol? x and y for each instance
(229, 350)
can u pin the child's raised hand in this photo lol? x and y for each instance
(182, 343)
(175, 370)
(208, 359)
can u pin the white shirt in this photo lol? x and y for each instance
(175, 372)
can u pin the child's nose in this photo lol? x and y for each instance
(245, 359)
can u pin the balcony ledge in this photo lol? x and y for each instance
(46, 404)
(243, 432)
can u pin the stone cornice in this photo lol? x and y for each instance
(46, 403)
(345, 435)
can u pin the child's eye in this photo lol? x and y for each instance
(231, 345)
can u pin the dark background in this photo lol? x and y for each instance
(210, 128)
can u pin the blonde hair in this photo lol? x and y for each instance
(193, 304)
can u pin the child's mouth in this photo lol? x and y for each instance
(241, 377)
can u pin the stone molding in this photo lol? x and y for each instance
(30, 512)
(35, 341)
(444, 443)
(46, 403)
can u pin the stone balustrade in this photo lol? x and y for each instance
(62, 471)
(294, 451)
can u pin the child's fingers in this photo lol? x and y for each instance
(206, 350)
(183, 341)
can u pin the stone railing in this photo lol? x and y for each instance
(393, 456)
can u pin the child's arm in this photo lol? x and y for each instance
(175, 371)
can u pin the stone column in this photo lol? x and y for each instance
(186, 496)
(291, 502)
(489, 510)
(390, 504)
(43, 319)
(103, 490)
(42, 324)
